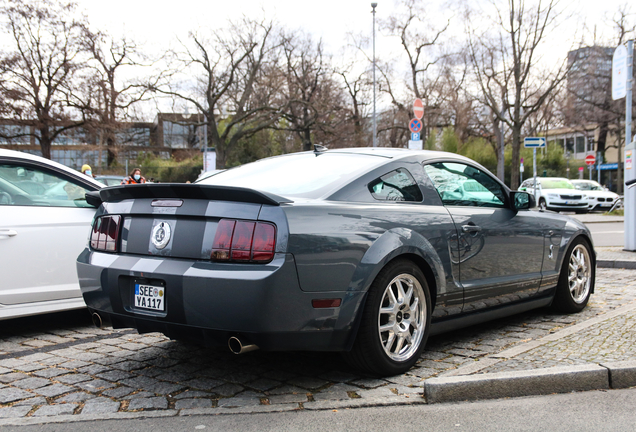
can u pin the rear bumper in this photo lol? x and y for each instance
(209, 302)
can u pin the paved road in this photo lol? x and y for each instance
(590, 411)
(607, 234)
(60, 367)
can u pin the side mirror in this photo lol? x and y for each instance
(522, 200)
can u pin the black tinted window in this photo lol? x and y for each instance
(397, 185)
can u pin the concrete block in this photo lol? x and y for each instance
(622, 374)
(515, 384)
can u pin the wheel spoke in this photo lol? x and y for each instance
(399, 345)
(392, 299)
(387, 327)
(400, 288)
(389, 342)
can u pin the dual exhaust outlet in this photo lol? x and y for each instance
(235, 343)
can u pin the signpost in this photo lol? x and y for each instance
(415, 126)
(534, 143)
(590, 160)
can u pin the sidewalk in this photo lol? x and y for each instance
(609, 257)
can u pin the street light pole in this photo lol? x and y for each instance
(375, 138)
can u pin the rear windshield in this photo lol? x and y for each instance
(556, 184)
(299, 175)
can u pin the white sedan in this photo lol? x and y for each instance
(44, 223)
(598, 197)
(556, 194)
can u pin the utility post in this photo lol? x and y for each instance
(630, 149)
(375, 126)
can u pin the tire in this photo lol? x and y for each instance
(542, 204)
(576, 281)
(395, 321)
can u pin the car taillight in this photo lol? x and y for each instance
(105, 233)
(244, 241)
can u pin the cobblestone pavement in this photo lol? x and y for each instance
(60, 365)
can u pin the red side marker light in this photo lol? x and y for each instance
(326, 303)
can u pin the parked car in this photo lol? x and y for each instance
(44, 223)
(110, 180)
(207, 174)
(557, 194)
(363, 251)
(598, 197)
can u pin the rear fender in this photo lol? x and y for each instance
(390, 245)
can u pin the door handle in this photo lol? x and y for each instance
(471, 228)
(8, 233)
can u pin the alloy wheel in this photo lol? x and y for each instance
(402, 317)
(579, 273)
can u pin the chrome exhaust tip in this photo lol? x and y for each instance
(97, 320)
(237, 346)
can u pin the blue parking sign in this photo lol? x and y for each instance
(415, 136)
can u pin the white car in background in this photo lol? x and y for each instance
(598, 197)
(557, 194)
(44, 223)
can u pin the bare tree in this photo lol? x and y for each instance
(40, 69)
(235, 87)
(505, 59)
(107, 100)
(357, 86)
(589, 90)
(421, 44)
(314, 99)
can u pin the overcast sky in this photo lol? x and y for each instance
(157, 24)
(161, 20)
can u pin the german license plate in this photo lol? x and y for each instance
(150, 297)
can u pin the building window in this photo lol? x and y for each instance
(580, 144)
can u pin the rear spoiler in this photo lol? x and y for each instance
(183, 191)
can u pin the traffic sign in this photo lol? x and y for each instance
(590, 159)
(619, 72)
(415, 137)
(418, 108)
(415, 125)
(534, 142)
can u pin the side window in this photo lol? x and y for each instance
(464, 185)
(27, 186)
(397, 185)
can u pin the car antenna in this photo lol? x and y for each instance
(318, 149)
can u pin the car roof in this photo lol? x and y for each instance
(398, 153)
(12, 154)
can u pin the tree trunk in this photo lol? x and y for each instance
(111, 152)
(45, 142)
(516, 147)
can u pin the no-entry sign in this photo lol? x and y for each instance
(590, 159)
(418, 108)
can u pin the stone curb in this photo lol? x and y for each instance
(567, 379)
(611, 375)
(616, 264)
